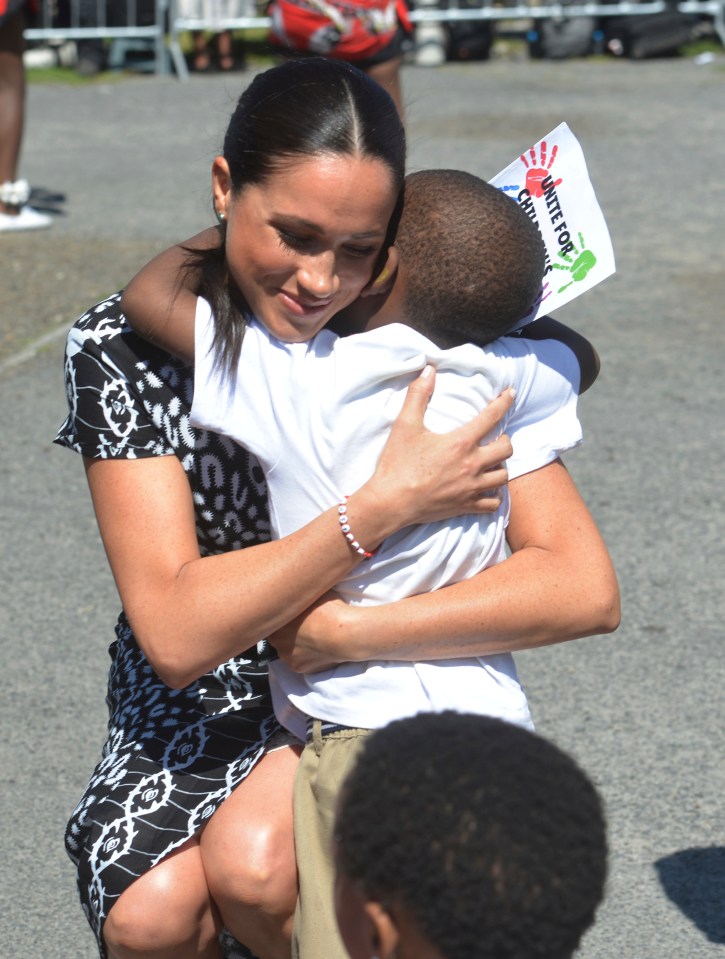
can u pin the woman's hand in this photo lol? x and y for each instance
(316, 639)
(559, 584)
(425, 477)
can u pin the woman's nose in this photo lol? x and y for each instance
(318, 275)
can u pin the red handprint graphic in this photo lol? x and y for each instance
(535, 175)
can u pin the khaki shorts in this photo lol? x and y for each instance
(326, 761)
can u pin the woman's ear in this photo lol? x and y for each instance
(384, 932)
(385, 279)
(221, 181)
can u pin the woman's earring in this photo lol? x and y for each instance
(381, 278)
(219, 215)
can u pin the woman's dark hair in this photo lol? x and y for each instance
(301, 108)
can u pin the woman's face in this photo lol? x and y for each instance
(302, 244)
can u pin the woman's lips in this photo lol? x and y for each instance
(303, 307)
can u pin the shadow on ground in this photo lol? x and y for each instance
(694, 880)
(48, 201)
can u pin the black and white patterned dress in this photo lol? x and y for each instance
(172, 755)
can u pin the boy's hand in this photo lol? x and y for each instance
(547, 328)
(308, 644)
(160, 301)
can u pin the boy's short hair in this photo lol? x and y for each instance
(490, 838)
(474, 262)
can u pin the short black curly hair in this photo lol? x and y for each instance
(491, 838)
(474, 261)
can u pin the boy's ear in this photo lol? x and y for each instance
(383, 282)
(384, 931)
(221, 181)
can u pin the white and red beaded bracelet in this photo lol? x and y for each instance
(347, 533)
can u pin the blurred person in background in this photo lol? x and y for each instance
(15, 214)
(370, 34)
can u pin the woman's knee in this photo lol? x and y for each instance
(167, 912)
(259, 871)
(255, 889)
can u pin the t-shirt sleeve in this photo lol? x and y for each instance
(544, 422)
(239, 404)
(107, 416)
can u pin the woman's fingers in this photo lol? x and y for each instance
(482, 424)
(492, 455)
(417, 398)
(424, 477)
(471, 434)
(493, 479)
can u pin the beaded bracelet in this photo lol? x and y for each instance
(345, 527)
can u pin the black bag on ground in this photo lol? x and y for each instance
(469, 39)
(561, 38)
(648, 35)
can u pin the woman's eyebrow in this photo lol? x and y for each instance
(298, 221)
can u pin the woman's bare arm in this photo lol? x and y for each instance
(558, 584)
(190, 613)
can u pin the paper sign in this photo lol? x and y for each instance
(551, 184)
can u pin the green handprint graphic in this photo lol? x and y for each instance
(580, 263)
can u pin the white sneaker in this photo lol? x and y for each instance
(27, 219)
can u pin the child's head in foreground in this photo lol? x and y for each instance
(471, 261)
(465, 837)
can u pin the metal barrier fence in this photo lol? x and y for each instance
(160, 23)
(121, 20)
(431, 11)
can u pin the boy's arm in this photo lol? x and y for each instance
(547, 328)
(160, 301)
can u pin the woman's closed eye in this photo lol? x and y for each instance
(294, 241)
(360, 252)
(298, 243)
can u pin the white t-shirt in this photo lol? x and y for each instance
(317, 415)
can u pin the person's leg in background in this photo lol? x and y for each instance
(12, 96)
(225, 51)
(202, 61)
(14, 193)
(387, 74)
(224, 45)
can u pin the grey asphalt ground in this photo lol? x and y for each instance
(125, 165)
